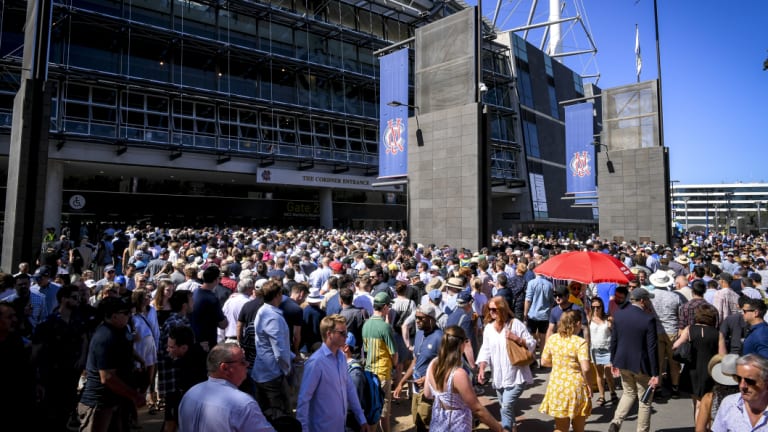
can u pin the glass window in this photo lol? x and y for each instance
(553, 107)
(525, 88)
(531, 136)
(548, 65)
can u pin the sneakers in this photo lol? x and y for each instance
(613, 427)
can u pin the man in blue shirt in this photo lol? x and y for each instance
(538, 300)
(45, 286)
(745, 410)
(462, 317)
(327, 390)
(425, 349)
(756, 341)
(217, 404)
(273, 354)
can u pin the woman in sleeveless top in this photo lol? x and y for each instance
(705, 340)
(454, 398)
(600, 338)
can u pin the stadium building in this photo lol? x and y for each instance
(265, 113)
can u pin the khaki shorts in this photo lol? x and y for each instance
(386, 385)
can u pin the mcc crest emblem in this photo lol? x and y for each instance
(393, 136)
(579, 164)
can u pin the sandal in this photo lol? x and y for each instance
(600, 401)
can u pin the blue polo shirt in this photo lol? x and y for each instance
(757, 341)
(425, 349)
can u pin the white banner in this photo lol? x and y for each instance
(278, 176)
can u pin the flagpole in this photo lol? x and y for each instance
(638, 59)
(658, 67)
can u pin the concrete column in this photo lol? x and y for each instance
(54, 184)
(326, 208)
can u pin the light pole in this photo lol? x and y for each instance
(728, 196)
(672, 195)
(757, 203)
(716, 218)
(686, 211)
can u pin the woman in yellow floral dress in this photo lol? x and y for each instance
(569, 397)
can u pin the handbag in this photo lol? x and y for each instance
(683, 354)
(518, 355)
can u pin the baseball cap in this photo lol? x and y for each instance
(561, 290)
(435, 294)
(641, 294)
(42, 271)
(381, 299)
(429, 310)
(350, 339)
(120, 279)
(335, 266)
(464, 298)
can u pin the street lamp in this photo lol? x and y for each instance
(757, 203)
(419, 135)
(686, 199)
(609, 164)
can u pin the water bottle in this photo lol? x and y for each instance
(648, 395)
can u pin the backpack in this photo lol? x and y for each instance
(373, 396)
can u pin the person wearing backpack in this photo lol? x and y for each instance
(327, 391)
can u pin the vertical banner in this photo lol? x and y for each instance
(579, 151)
(393, 122)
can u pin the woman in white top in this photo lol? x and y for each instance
(600, 326)
(508, 380)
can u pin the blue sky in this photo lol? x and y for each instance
(714, 89)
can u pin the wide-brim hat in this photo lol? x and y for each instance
(660, 279)
(455, 283)
(314, 296)
(682, 259)
(722, 368)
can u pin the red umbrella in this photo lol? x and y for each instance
(585, 267)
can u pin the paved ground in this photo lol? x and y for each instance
(669, 415)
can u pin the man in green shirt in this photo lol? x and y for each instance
(380, 351)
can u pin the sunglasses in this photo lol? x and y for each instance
(747, 310)
(749, 381)
(492, 309)
(420, 317)
(558, 295)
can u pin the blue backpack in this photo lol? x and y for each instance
(373, 395)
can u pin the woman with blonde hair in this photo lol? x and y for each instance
(449, 384)
(568, 395)
(509, 381)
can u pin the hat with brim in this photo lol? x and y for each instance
(382, 299)
(660, 279)
(682, 259)
(454, 283)
(314, 296)
(722, 368)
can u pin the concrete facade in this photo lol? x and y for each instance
(446, 175)
(633, 200)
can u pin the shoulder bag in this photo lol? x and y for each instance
(519, 356)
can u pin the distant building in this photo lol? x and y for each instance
(727, 207)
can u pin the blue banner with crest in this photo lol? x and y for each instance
(579, 151)
(393, 121)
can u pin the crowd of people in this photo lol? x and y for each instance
(319, 330)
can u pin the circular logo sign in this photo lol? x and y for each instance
(77, 202)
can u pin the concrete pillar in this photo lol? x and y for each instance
(326, 208)
(54, 184)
